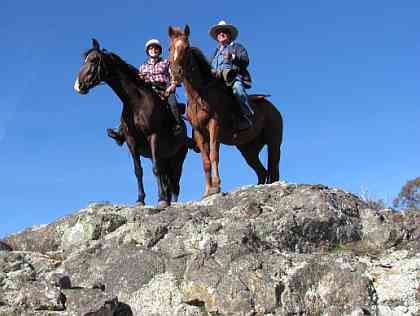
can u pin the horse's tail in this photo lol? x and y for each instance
(273, 135)
(192, 144)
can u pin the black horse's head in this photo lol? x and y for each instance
(93, 70)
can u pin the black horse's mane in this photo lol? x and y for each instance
(87, 52)
(131, 71)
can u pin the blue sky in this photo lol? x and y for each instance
(345, 76)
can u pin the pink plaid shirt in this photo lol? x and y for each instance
(158, 74)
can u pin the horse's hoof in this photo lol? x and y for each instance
(214, 190)
(206, 194)
(140, 203)
(174, 197)
(162, 204)
(211, 192)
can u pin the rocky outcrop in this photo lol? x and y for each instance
(279, 249)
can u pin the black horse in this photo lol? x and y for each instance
(145, 120)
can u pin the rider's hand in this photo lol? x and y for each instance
(228, 56)
(216, 74)
(170, 89)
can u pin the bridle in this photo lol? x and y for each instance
(179, 74)
(100, 72)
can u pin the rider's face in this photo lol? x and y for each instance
(223, 37)
(154, 51)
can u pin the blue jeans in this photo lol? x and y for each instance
(173, 106)
(241, 95)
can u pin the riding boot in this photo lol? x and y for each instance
(246, 110)
(117, 134)
(173, 105)
(244, 105)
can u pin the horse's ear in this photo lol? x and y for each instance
(95, 44)
(171, 32)
(187, 30)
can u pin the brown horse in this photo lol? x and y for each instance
(211, 110)
(145, 120)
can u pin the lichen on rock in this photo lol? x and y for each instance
(279, 249)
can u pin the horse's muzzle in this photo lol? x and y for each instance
(80, 88)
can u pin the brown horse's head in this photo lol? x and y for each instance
(179, 46)
(93, 71)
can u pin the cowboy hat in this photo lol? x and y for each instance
(223, 26)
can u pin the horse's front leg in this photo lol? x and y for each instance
(204, 147)
(137, 169)
(214, 155)
(154, 143)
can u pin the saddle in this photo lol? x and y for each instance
(256, 97)
(160, 91)
(240, 121)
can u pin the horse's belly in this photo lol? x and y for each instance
(231, 137)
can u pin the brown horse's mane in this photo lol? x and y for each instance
(207, 77)
(202, 62)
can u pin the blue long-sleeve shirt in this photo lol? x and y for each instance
(240, 60)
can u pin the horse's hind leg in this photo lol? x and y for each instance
(137, 169)
(273, 161)
(161, 177)
(273, 136)
(250, 152)
(164, 177)
(176, 164)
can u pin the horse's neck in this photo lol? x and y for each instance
(193, 93)
(200, 85)
(194, 81)
(125, 88)
(201, 96)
